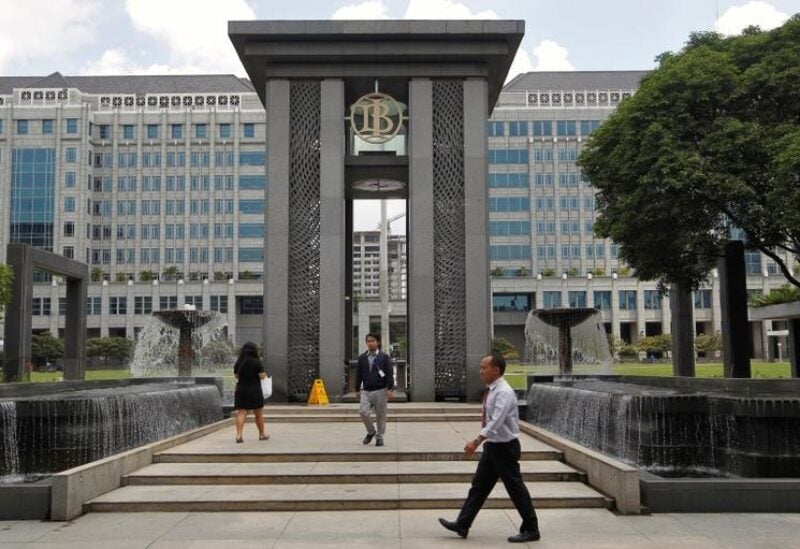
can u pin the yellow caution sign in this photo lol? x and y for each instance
(318, 394)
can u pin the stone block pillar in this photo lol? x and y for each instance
(733, 310)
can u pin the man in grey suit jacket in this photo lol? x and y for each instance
(375, 382)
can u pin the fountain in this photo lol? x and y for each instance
(566, 334)
(186, 321)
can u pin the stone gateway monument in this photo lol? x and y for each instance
(376, 109)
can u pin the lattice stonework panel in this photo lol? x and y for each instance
(304, 236)
(450, 311)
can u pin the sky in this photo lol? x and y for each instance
(38, 37)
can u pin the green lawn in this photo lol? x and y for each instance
(45, 377)
(516, 373)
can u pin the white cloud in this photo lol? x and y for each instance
(550, 56)
(444, 9)
(369, 9)
(34, 29)
(522, 63)
(754, 13)
(117, 61)
(194, 31)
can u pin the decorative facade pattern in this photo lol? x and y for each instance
(304, 236)
(449, 238)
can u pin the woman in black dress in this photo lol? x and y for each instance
(248, 396)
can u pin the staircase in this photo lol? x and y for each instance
(315, 461)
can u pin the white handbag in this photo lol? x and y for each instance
(266, 387)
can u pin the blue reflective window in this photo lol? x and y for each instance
(588, 126)
(495, 129)
(47, 126)
(176, 131)
(508, 156)
(518, 128)
(510, 228)
(33, 196)
(22, 127)
(1, 126)
(251, 255)
(252, 158)
(104, 131)
(201, 131)
(542, 128)
(752, 262)
(652, 300)
(509, 204)
(552, 300)
(72, 125)
(543, 154)
(152, 131)
(251, 206)
(602, 300)
(224, 131)
(69, 180)
(509, 180)
(576, 299)
(511, 302)
(627, 300)
(510, 251)
(252, 181)
(70, 155)
(702, 299)
(543, 179)
(251, 230)
(128, 131)
(565, 127)
(69, 203)
(248, 129)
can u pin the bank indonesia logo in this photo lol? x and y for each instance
(376, 118)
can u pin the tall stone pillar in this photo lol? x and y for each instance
(476, 223)
(332, 238)
(733, 308)
(421, 344)
(680, 303)
(276, 241)
(75, 328)
(18, 314)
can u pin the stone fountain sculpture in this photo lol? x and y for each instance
(186, 320)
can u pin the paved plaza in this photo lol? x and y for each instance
(315, 459)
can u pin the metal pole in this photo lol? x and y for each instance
(384, 278)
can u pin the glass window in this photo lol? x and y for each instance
(251, 255)
(518, 128)
(602, 300)
(176, 131)
(251, 230)
(224, 131)
(652, 300)
(69, 180)
(627, 300)
(72, 125)
(152, 131)
(542, 128)
(219, 303)
(588, 126)
(511, 302)
(248, 129)
(252, 158)
(752, 262)
(22, 127)
(201, 131)
(47, 126)
(251, 206)
(251, 305)
(118, 305)
(252, 181)
(128, 131)
(565, 127)
(552, 300)
(104, 131)
(495, 129)
(702, 299)
(577, 299)
(69, 203)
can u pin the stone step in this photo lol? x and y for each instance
(336, 473)
(355, 418)
(340, 497)
(378, 454)
(423, 409)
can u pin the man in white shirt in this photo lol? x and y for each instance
(500, 457)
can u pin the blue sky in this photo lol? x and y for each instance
(190, 36)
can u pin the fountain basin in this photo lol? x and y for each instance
(676, 427)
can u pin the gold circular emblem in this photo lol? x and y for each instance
(376, 118)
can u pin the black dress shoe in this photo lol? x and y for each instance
(368, 438)
(379, 441)
(522, 537)
(454, 527)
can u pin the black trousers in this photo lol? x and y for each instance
(500, 460)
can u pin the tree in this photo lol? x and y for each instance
(218, 352)
(97, 274)
(119, 349)
(6, 282)
(655, 344)
(45, 347)
(147, 276)
(121, 277)
(501, 345)
(171, 272)
(705, 343)
(709, 142)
